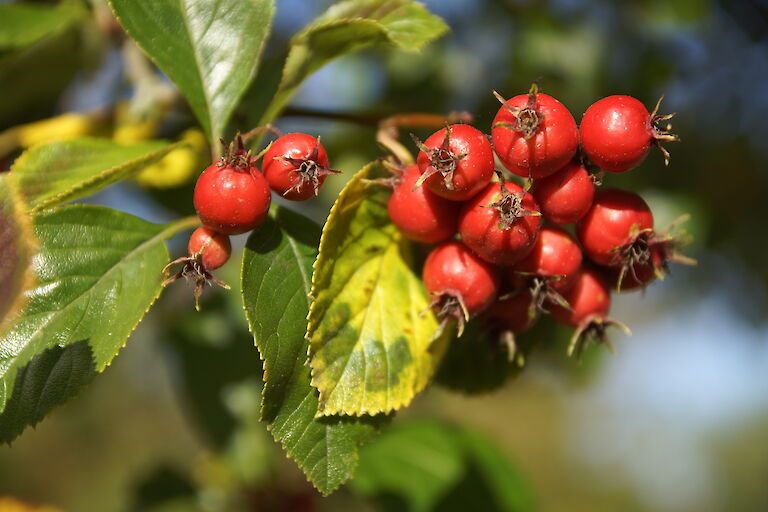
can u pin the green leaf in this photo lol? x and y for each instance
(426, 465)
(22, 24)
(55, 173)
(372, 345)
(350, 26)
(15, 251)
(209, 48)
(98, 271)
(277, 267)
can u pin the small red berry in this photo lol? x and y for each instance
(420, 214)
(231, 196)
(501, 223)
(534, 135)
(565, 197)
(516, 313)
(296, 165)
(456, 162)
(616, 229)
(214, 247)
(551, 266)
(617, 132)
(461, 283)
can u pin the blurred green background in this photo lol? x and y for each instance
(677, 420)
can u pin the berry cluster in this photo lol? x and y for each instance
(514, 261)
(233, 197)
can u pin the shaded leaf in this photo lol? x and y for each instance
(59, 172)
(15, 251)
(426, 465)
(277, 266)
(97, 272)
(371, 338)
(22, 24)
(349, 26)
(209, 48)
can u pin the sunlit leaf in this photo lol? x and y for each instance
(15, 251)
(97, 272)
(59, 172)
(277, 270)
(209, 48)
(372, 345)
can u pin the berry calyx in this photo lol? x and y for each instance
(214, 248)
(208, 251)
(512, 314)
(231, 196)
(566, 196)
(460, 283)
(501, 223)
(617, 230)
(534, 135)
(590, 301)
(296, 166)
(421, 215)
(455, 162)
(617, 132)
(550, 268)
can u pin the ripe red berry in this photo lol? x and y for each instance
(617, 132)
(616, 229)
(231, 196)
(296, 165)
(565, 197)
(534, 135)
(589, 298)
(461, 283)
(501, 223)
(516, 313)
(420, 214)
(214, 248)
(551, 266)
(456, 162)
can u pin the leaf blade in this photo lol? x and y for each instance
(209, 49)
(59, 172)
(276, 277)
(372, 347)
(98, 271)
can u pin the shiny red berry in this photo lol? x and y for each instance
(214, 248)
(460, 283)
(296, 165)
(589, 298)
(534, 135)
(617, 228)
(516, 313)
(501, 223)
(617, 132)
(231, 196)
(552, 265)
(420, 214)
(566, 196)
(455, 162)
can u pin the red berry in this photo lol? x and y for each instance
(617, 132)
(456, 162)
(589, 298)
(455, 276)
(516, 313)
(534, 135)
(296, 166)
(565, 197)
(616, 229)
(500, 227)
(231, 196)
(213, 247)
(419, 213)
(553, 263)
